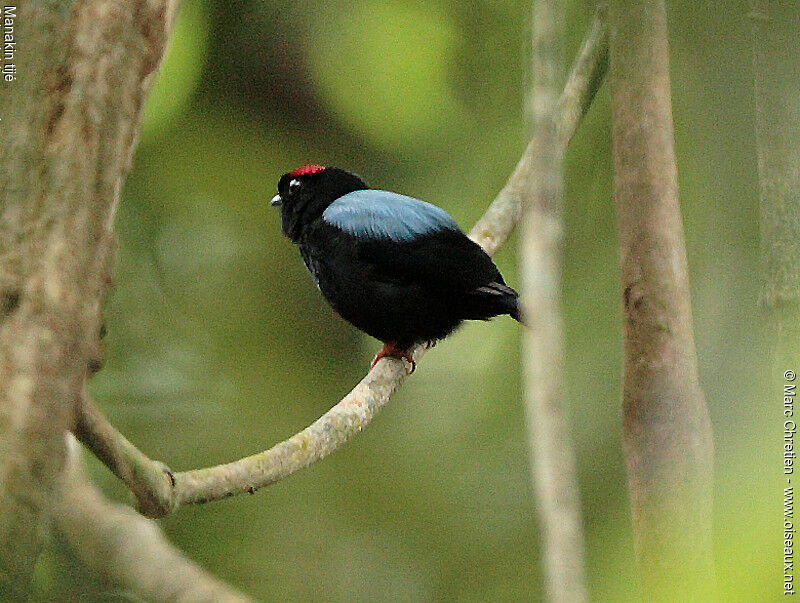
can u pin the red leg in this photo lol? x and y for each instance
(391, 350)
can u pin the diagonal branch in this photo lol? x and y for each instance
(159, 492)
(588, 72)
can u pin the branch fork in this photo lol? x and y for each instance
(159, 491)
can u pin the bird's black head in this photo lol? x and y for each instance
(307, 191)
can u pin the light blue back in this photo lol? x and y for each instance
(385, 215)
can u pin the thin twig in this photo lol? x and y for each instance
(553, 459)
(666, 425)
(160, 493)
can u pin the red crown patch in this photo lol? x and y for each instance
(306, 170)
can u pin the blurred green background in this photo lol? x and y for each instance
(219, 345)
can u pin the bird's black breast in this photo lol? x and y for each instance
(404, 291)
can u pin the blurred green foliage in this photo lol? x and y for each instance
(219, 345)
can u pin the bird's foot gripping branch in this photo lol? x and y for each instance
(160, 491)
(390, 350)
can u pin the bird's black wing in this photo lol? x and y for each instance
(446, 259)
(408, 243)
(446, 263)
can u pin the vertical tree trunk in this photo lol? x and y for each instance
(69, 122)
(776, 43)
(553, 460)
(667, 431)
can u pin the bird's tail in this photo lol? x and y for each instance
(496, 298)
(516, 313)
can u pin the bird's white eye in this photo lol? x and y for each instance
(294, 185)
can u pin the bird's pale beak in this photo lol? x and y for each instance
(276, 200)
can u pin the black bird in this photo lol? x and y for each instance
(398, 268)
